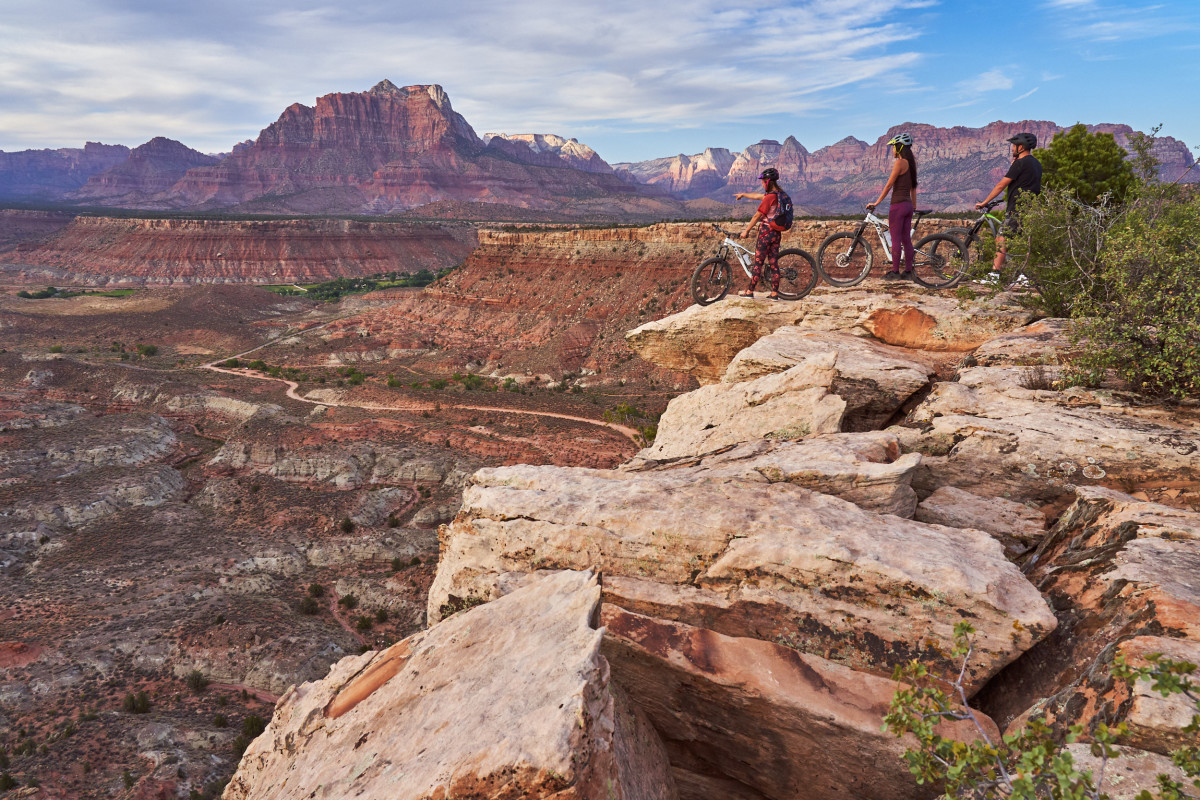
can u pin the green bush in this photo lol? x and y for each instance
(363, 623)
(196, 681)
(253, 726)
(316, 590)
(1144, 322)
(347, 525)
(310, 606)
(348, 602)
(136, 703)
(231, 363)
(56, 348)
(7, 782)
(1088, 165)
(220, 721)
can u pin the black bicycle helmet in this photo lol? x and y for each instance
(769, 174)
(1025, 139)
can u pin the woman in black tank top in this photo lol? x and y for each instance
(903, 185)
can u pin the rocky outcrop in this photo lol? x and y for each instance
(388, 149)
(457, 711)
(988, 434)
(49, 174)
(181, 251)
(150, 169)
(348, 465)
(772, 561)
(956, 164)
(1130, 773)
(548, 150)
(1122, 577)
(1043, 342)
(874, 379)
(703, 340)
(744, 718)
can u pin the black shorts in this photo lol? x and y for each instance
(1011, 226)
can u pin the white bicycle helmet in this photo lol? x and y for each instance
(901, 140)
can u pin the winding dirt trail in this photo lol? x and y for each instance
(293, 391)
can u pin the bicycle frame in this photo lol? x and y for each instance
(744, 255)
(882, 227)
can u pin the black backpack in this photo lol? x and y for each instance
(782, 221)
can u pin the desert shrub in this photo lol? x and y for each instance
(147, 350)
(438, 383)
(220, 721)
(1030, 764)
(56, 348)
(1145, 323)
(239, 744)
(1087, 165)
(471, 382)
(309, 606)
(3, 758)
(457, 604)
(231, 363)
(253, 726)
(397, 564)
(128, 779)
(258, 364)
(138, 703)
(381, 615)
(347, 525)
(316, 590)
(348, 602)
(7, 782)
(196, 681)
(392, 522)
(363, 623)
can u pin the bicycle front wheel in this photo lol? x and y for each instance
(711, 280)
(844, 259)
(940, 263)
(797, 273)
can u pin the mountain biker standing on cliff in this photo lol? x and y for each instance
(766, 248)
(903, 185)
(1025, 175)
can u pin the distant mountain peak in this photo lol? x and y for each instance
(385, 87)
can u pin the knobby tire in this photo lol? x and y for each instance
(711, 280)
(844, 259)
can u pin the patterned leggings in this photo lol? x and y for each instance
(766, 253)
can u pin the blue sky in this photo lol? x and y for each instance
(633, 81)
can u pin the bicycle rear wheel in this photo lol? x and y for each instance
(797, 273)
(844, 259)
(940, 263)
(711, 280)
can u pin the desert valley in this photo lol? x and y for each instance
(376, 458)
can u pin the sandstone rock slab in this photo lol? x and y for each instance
(752, 719)
(771, 561)
(1017, 527)
(865, 468)
(874, 379)
(787, 405)
(512, 699)
(703, 340)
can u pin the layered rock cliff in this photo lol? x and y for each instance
(957, 165)
(98, 250)
(386, 149)
(49, 174)
(150, 169)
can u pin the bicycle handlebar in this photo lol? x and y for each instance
(722, 230)
(993, 204)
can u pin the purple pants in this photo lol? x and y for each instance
(900, 217)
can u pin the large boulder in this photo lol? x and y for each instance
(509, 700)
(992, 434)
(1122, 576)
(786, 405)
(866, 468)
(703, 340)
(1018, 527)
(1132, 772)
(744, 718)
(874, 379)
(771, 561)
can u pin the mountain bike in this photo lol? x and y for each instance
(972, 236)
(845, 258)
(712, 279)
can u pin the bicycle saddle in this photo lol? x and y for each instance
(923, 211)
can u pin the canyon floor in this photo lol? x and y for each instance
(214, 493)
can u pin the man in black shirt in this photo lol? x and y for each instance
(1025, 175)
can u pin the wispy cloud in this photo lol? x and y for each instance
(1023, 96)
(993, 80)
(127, 70)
